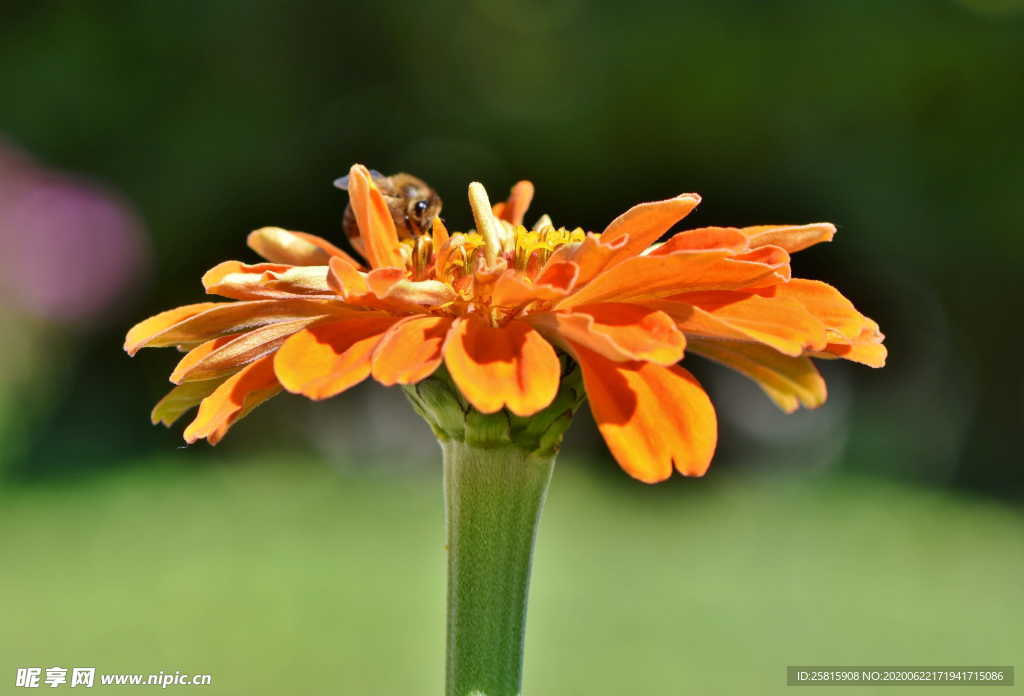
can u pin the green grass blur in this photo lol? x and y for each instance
(283, 576)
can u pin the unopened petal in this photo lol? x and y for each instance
(266, 281)
(792, 238)
(278, 245)
(514, 209)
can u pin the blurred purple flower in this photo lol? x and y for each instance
(71, 248)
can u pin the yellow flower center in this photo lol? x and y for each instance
(526, 251)
(470, 263)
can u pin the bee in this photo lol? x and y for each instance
(412, 203)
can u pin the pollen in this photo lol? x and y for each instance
(533, 248)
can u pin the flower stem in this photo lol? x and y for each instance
(493, 500)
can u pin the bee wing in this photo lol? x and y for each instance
(342, 182)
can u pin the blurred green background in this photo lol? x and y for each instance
(140, 142)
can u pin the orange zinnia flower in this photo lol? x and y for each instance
(496, 304)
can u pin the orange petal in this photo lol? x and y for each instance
(788, 381)
(410, 351)
(148, 331)
(382, 280)
(827, 304)
(643, 224)
(652, 417)
(386, 288)
(681, 271)
(376, 227)
(324, 245)
(704, 238)
(591, 256)
(514, 289)
(347, 280)
(253, 400)
(266, 281)
(293, 248)
(352, 285)
(228, 353)
(325, 360)
(232, 400)
(619, 332)
(514, 210)
(775, 257)
(201, 322)
(695, 322)
(781, 323)
(510, 366)
(198, 353)
(792, 238)
(870, 354)
(182, 399)
(392, 284)
(561, 277)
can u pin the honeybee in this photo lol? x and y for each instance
(412, 203)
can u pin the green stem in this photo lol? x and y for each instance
(497, 467)
(493, 500)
